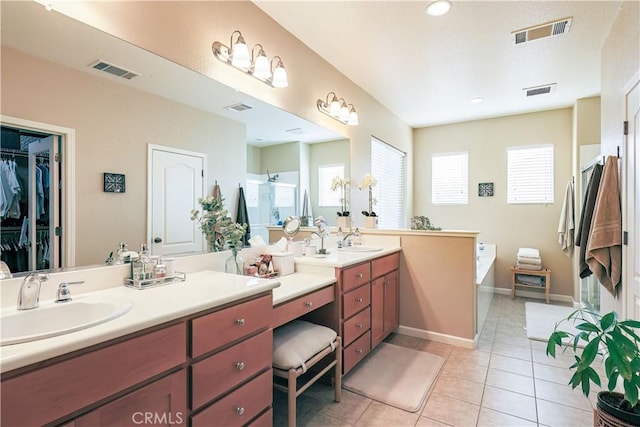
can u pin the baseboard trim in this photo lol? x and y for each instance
(437, 336)
(537, 295)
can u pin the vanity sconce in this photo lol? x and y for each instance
(255, 64)
(338, 109)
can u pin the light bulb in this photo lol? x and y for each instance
(334, 108)
(353, 118)
(438, 8)
(261, 69)
(344, 114)
(240, 55)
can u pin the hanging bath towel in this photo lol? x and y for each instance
(604, 248)
(584, 226)
(566, 225)
(242, 216)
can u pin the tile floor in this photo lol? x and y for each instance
(507, 381)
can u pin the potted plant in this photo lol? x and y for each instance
(370, 217)
(616, 342)
(343, 215)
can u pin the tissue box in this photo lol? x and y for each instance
(283, 263)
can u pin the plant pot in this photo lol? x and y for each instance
(608, 413)
(370, 222)
(343, 222)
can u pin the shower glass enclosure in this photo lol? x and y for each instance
(269, 203)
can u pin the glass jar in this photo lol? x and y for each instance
(234, 264)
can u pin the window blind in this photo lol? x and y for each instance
(387, 167)
(450, 179)
(530, 174)
(326, 196)
(285, 196)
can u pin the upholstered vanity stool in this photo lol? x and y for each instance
(297, 346)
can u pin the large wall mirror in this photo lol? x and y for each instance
(48, 77)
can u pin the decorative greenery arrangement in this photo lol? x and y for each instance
(420, 222)
(369, 182)
(342, 184)
(218, 228)
(615, 341)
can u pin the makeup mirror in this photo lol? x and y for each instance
(291, 226)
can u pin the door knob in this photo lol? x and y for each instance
(157, 240)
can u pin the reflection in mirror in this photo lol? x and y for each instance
(47, 78)
(291, 226)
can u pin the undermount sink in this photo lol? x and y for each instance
(361, 249)
(51, 319)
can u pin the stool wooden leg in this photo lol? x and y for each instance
(338, 371)
(291, 398)
(547, 286)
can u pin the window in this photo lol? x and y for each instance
(326, 196)
(387, 167)
(450, 179)
(530, 174)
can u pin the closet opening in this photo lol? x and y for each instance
(30, 199)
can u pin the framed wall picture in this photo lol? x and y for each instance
(114, 182)
(485, 189)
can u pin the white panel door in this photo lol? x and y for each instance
(176, 183)
(631, 277)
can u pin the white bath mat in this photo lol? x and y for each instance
(397, 376)
(541, 320)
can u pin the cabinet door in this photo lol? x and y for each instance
(161, 403)
(391, 314)
(377, 311)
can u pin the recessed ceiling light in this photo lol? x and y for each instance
(438, 7)
(476, 100)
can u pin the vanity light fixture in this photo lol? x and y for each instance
(254, 62)
(338, 109)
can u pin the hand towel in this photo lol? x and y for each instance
(604, 247)
(529, 252)
(566, 224)
(586, 216)
(527, 260)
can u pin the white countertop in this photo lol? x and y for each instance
(341, 258)
(297, 284)
(201, 291)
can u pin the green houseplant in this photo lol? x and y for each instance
(614, 342)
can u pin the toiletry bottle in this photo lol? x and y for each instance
(339, 237)
(122, 248)
(143, 264)
(357, 239)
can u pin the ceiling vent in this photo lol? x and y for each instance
(541, 31)
(238, 107)
(296, 131)
(114, 70)
(540, 90)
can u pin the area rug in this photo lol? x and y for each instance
(397, 376)
(541, 320)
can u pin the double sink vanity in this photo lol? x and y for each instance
(197, 352)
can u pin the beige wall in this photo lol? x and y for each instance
(323, 154)
(183, 32)
(508, 226)
(280, 158)
(253, 159)
(113, 126)
(620, 60)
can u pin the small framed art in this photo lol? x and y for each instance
(485, 189)
(114, 182)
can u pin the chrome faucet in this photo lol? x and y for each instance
(322, 250)
(29, 292)
(64, 294)
(346, 243)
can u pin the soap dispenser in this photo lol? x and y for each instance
(339, 237)
(357, 238)
(142, 268)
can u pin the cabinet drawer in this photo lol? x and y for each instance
(355, 276)
(290, 310)
(239, 407)
(356, 326)
(356, 351)
(215, 375)
(385, 264)
(222, 327)
(264, 420)
(76, 383)
(356, 300)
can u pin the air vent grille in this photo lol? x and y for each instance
(238, 107)
(296, 131)
(547, 29)
(539, 90)
(114, 70)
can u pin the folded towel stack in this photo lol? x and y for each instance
(529, 259)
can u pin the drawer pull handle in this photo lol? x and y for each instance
(309, 304)
(359, 275)
(240, 410)
(359, 325)
(240, 366)
(359, 350)
(359, 299)
(387, 282)
(240, 322)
